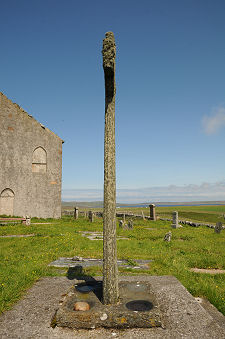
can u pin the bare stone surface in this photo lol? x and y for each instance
(110, 269)
(182, 315)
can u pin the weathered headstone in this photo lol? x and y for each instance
(91, 216)
(110, 269)
(85, 214)
(76, 212)
(168, 236)
(28, 220)
(121, 223)
(143, 216)
(152, 212)
(124, 217)
(175, 219)
(218, 227)
(125, 226)
(130, 224)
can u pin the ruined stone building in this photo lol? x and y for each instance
(30, 165)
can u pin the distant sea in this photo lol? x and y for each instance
(169, 205)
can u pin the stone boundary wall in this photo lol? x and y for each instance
(190, 223)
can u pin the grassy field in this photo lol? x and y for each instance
(24, 260)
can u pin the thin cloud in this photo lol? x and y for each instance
(203, 192)
(215, 121)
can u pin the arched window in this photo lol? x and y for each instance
(39, 160)
(6, 201)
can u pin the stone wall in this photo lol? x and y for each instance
(31, 164)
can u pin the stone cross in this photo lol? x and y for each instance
(218, 227)
(152, 212)
(110, 269)
(76, 212)
(175, 219)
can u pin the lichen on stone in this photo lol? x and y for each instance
(109, 50)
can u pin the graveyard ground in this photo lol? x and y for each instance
(23, 260)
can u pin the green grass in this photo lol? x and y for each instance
(24, 260)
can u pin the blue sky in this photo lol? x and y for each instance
(170, 102)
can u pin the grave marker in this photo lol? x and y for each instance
(175, 219)
(218, 227)
(76, 212)
(152, 212)
(90, 216)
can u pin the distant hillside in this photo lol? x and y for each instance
(91, 204)
(99, 204)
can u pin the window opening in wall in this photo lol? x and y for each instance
(6, 201)
(39, 160)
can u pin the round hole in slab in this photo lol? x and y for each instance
(139, 305)
(88, 287)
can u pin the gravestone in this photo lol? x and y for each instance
(143, 216)
(152, 212)
(168, 236)
(124, 217)
(91, 216)
(76, 212)
(28, 220)
(218, 227)
(175, 219)
(110, 269)
(121, 223)
(130, 224)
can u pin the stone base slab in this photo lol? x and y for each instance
(137, 307)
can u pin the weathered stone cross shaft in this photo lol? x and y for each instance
(110, 269)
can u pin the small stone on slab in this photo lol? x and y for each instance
(81, 306)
